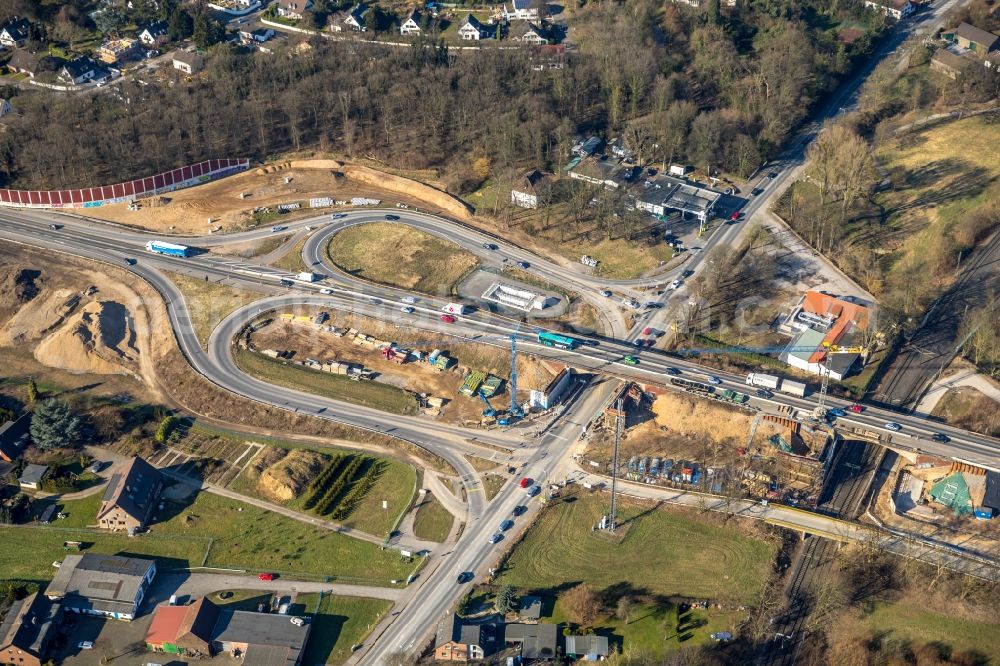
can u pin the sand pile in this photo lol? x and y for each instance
(684, 414)
(38, 316)
(287, 479)
(99, 339)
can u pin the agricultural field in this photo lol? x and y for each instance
(691, 556)
(401, 256)
(338, 387)
(339, 623)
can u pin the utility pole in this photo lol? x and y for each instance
(613, 521)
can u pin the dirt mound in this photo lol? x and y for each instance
(286, 479)
(99, 339)
(700, 416)
(411, 188)
(38, 316)
(18, 286)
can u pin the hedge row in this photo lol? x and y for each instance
(330, 498)
(358, 491)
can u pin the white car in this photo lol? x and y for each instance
(714, 380)
(85, 645)
(326, 291)
(675, 284)
(409, 299)
(406, 310)
(893, 426)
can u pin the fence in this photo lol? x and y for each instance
(90, 197)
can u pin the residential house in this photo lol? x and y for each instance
(117, 50)
(189, 63)
(588, 147)
(948, 63)
(15, 33)
(203, 629)
(293, 9)
(14, 434)
(32, 476)
(26, 631)
(472, 30)
(521, 10)
(897, 9)
(104, 585)
(256, 36)
(818, 325)
(548, 56)
(411, 26)
(596, 172)
(130, 498)
(588, 648)
(24, 62)
(154, 34)
(355, 19)
(537, 642)
(532, 34)
(975, 39)
(525, 192)
(77, 71)
(460, 641)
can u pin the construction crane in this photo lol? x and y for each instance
(515, 409)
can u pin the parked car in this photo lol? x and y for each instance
(941, 437)
(265, 576)
(85, 645)
(712, 379)
(392, 218)
(448, 319)
(893, 426)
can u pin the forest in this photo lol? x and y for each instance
(717, 87)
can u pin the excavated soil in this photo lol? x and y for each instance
(217, 205)
(287, 479)
(99, 338)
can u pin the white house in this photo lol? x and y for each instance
(520, 10)
(189, 63)
(897, 9)
(355, 19)
(15, 33)
(471, 29)
(154, 34)
(258, 36)
(525, 193)
(78, 71)
(411, 26)
(532, 34)
(293, 9)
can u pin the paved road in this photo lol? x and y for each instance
(202, 584)
(967, 378)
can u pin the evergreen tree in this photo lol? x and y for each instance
(32, 391)
(506, 600)
(714, 16)
(179, 25)
(54, 425)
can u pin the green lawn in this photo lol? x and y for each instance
(339, 387)
(246, 600)
(663, 552)
(28, 552)
(80, 512)
(911, 622)
(401, 256)
(340, 623)
(432, 522)
(247, 537)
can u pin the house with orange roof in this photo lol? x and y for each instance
(821, 325)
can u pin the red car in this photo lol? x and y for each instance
(856, 408)
(647, 331)
(448, 319)
(736, 215)
(525, 482)
(265, 576)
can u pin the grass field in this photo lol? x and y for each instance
(663, 552)
(246, 600)
(244, 536)
(80, 512)
(292, 261)
(339, 623)
(492, 484)
(401, 256)
(911, 622)
(968, 408)
(339, 387)
(432, 522)
(209, 303)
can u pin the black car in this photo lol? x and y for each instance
(489, 246)
(672, 371)
(941, 437)
(519, 509)
(523, 265)
(764, 393)
(465, 576)
(392, 218)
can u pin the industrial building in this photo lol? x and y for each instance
(105, 585)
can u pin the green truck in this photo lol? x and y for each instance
(734, 397)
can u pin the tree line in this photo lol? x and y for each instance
(677, 83)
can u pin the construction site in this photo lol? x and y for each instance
(457, 381)
(711, 441)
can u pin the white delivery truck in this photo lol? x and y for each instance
(455, 309)
(763, 381)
